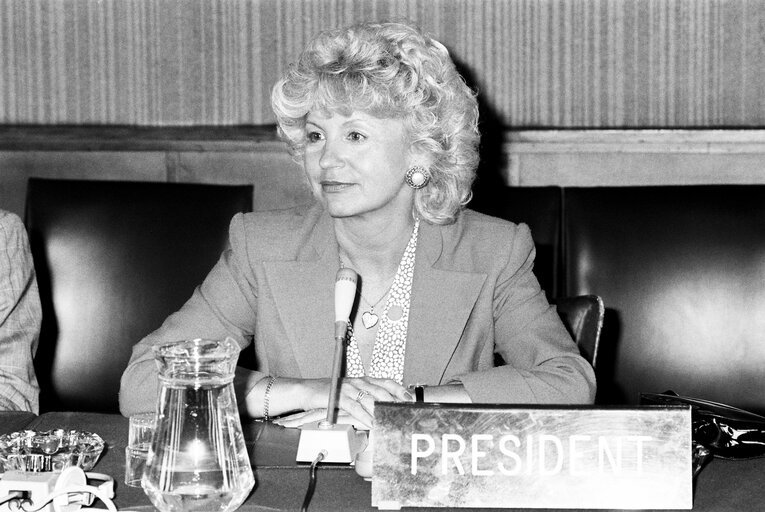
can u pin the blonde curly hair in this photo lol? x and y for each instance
(390, 70)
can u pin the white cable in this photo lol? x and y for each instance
(70, 493)
(91, 490)
(73, 489)
(107, 484)
(15, 495)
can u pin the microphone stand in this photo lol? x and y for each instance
(340, 443)
(335, 384)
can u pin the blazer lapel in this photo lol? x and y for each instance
(442, 300)
(303, 291)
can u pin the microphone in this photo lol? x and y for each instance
(345, 293)
(340, 443)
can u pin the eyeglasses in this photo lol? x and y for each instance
(727, 432)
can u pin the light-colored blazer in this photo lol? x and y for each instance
(473, 293)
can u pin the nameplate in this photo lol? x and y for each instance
(485, 456)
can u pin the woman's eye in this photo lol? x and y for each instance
(356, 137)
(313, 137)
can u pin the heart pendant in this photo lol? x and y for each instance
(369, 319)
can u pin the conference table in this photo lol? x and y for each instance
(723, 485)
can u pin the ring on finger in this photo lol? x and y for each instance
(361, 395)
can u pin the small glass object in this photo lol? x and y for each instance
(137, 451)
(50, 450)
(197, 459)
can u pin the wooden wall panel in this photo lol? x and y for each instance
(524, 158)
(634, 157)
(16, 167)
(278, 181)
(537, 63)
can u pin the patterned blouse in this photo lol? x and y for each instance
(390, 342)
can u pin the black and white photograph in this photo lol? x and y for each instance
(360, 255)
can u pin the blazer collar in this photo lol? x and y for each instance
(442, 299)
(303, 291)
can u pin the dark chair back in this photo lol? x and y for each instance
(682, 271)
(113, 260)
(583, 318)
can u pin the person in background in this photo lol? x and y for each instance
(387, 132)
(20, 318)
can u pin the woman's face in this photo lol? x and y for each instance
(356, 164)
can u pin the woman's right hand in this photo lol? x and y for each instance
(355, 403)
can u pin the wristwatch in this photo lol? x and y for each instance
(419, 392)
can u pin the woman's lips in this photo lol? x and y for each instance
(334, 186)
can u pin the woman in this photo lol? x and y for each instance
(386, 131)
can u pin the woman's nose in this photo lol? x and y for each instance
(329, 155)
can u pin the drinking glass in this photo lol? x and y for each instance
(141, 428)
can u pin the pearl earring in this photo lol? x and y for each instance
(417, 177)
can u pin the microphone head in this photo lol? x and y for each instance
(345, 293)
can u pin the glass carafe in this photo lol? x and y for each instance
(197, 460)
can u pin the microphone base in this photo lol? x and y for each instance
(341, 442)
